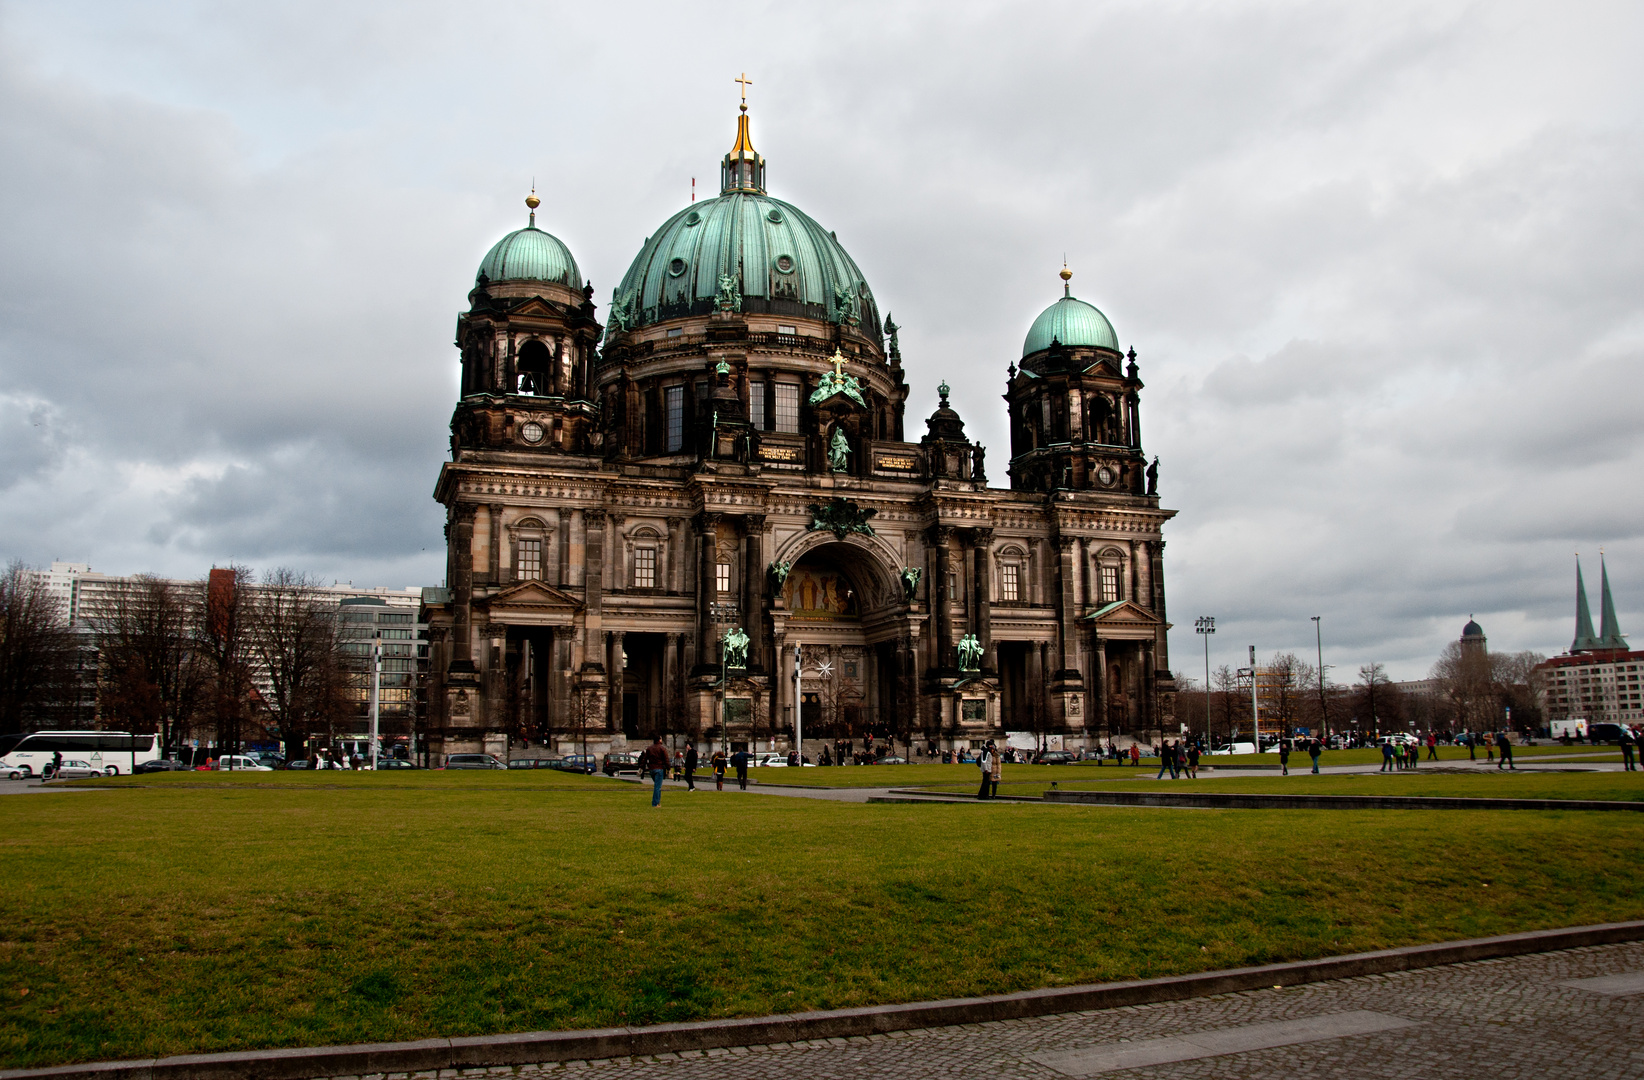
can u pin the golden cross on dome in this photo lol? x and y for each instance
(838, 364)
(746, 82)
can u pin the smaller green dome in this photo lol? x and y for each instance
(1070, 321)
(529, 254)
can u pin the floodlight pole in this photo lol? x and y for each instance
(1204, 626)
(376, 693)
(1255, 714)
(798, 722)
(1324, 707)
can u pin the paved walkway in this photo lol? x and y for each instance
(1576, 1014)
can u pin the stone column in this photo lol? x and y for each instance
(462, 588)
(495, 554)
(707, 538)
(594, 554)
(674, 582)
(576, 551)
(753, 589)
(617, 686)
(1066, 609)
(981, 593)
(673, 688)
(620, 576)
(941, 600)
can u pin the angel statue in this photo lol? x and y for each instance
(839, 451)
(970, 653)
(910, 582)
(735, 644)
(730, 293)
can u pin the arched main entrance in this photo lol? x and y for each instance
(844, 608)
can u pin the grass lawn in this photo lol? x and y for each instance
(885, 776)
(1488, 785)
(1372, 755)
(212, 912)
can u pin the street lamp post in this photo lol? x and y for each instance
(798, 730)
(1204, 626)
(1324, 707)
(1255, 706)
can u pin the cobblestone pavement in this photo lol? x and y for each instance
(1495, 1019)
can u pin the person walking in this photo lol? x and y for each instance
(1135, 756)
(1386, 756)
(56, 764)
(690, 767)
(654, 761)
(719, 770)
(1284, 757)
(985, 763)
(1627, 750)
(1505, 745)
(1164, 762)
(996, 770)
(740, 760)
(1432, 747)
(1192, 761)
(1472, 746)
(1314, 749)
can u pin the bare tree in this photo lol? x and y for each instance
(151, 674)
(1377, 699)
(1230, 703)
(36, 649)
(225, 643)
(1289, 676)
(295, 640)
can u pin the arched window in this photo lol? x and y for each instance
(530, 549)
(535, 365)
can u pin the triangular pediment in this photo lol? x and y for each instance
(534, 596)
(1123, 615)
(534, 307)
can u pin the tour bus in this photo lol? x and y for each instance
(114, 752)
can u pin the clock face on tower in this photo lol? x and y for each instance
(531, 432)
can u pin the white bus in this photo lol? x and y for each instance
(114, 752)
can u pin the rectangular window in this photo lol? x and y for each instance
(645, 568)
(1110, 584)
(756, 404)
(722, 577)
(787, 407)
(674, 405)
(1009, 584)
(783, 328)
(530, 560)
(953, 587)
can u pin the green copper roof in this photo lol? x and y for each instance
(1072, 322)
(529, 254)
(784, 261)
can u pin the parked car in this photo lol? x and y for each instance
(533, 763)
(892, 760)
(1089, 754)
(1055, 757)
(1604, 733)
(382, 763)
(577, 763)
(472, 761)
(770, 761)
(162, 765)
(71, 769)
(239, 763)
(620, 763)
(300, 763)
(1402, 737)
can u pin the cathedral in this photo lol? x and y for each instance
(707, 518)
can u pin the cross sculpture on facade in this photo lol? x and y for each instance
(838, 365)
(746, 82)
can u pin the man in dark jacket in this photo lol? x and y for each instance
(690, 767)
(1505, 745)
(740, 760)
(654, 762)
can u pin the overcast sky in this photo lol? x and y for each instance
(1383, 264)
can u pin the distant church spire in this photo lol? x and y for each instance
(1585, 639)
(742, 169)
(1609, 630)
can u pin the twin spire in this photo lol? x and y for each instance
(1609, 636)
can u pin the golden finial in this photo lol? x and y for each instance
(1066, 276)
(533, 202)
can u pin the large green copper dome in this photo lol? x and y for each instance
(784, 263)
(1070, 321)
(529, 254)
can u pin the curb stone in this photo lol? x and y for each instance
(1230, 801)
(428, 1057)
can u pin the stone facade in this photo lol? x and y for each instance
(620, 497)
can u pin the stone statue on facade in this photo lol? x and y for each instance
(622, 316)
(894, 356)
(730, 293)
(735, 648)
(779, 572)
(844, 302)
(1153, 477)
(970, 653)
(910, 582)
(839, 451)
(837, 382)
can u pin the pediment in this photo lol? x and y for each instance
(534, 596)
(1123, 615)
(534, 307)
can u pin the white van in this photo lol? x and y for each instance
(1575, 727)
(240, 763)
